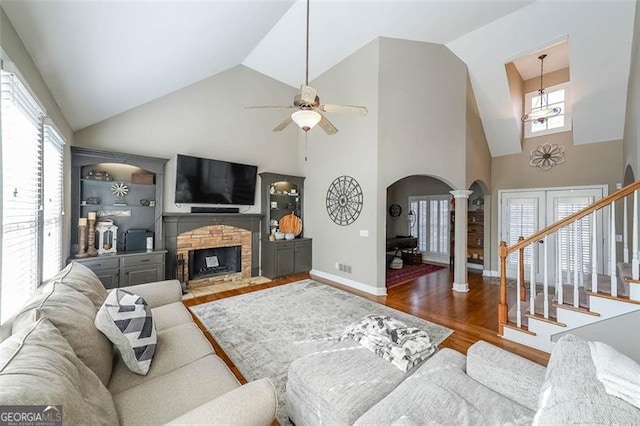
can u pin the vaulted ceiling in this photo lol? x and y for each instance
(101, 58)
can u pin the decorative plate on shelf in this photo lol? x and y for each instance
(344, 200)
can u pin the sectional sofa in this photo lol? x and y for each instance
(51, 353)
(489, 386)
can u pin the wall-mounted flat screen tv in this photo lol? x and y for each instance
(205, 181)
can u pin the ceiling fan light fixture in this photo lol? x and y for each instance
(306, 119)
(540, 114)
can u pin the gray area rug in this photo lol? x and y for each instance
(263, 332)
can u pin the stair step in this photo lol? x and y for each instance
(523, 329)
(547, 320)
(579, 309)
(625, 299)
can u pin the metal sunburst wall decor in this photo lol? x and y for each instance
(546, 156)
(344, 200)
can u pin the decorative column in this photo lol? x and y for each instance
(460, 281)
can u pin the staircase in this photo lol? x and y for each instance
(531, 314)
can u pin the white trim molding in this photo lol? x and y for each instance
(461, 288)
(376, 291)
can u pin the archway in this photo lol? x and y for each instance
(418, 220)
(628, 176)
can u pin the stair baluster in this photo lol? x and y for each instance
(576, 264)
(625, 232)
(532, 282)
(546, 277)
(612, 255)
(559, 288)
(634, 257)
(594, 253)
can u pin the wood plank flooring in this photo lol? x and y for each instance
(472, 315)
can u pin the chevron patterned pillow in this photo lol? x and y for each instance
(126, 320)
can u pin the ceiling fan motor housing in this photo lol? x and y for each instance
(299, 102)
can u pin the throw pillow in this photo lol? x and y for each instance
(619, 374)
(37, 366)
(81, 279)
(73, 314)
(572, 394)
(126, 320)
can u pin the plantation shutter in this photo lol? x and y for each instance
(521, 221)
(21, 192)
(567, 237)
(52, 203)
(432, 223)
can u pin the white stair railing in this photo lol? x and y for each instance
(612, 254)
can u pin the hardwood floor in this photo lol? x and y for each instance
(473, 315)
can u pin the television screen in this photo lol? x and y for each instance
(205, 181)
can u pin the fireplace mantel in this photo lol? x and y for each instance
(178, 223)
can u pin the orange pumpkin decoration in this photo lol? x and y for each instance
(291, 224)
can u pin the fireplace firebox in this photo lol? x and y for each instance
(209, 262)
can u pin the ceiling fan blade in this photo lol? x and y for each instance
(351, 109)
(326, 125)
(308, 94)
(284, 124)
(270, 106)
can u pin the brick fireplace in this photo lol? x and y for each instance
(219, 238)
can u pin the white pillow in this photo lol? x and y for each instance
(619, 374)
(125, 318)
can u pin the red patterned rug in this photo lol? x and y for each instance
(395, 277)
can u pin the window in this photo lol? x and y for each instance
(31, 199)
(431, 225)
(554, 96)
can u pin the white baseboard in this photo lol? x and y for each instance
(493, 274)
(461, 288)
(349, 283)
(487, 273)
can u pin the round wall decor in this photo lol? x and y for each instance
(395, 210)
(344, 200)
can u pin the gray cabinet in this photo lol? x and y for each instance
(280, 258)
(121, 270)
(281, 196)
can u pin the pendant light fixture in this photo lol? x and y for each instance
(540, 114)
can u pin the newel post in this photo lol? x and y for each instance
(502, 308)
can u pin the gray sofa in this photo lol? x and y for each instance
(489, 386)
(52, 354)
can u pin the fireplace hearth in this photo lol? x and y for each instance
(214, 261)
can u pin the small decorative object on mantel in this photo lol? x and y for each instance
(142, 178)
(344, 200)
(546, 156)
(119, 189)
(82, 237)
(98, 175)
(107, 236)
(91, 237)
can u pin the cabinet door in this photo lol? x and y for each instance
(284, 261)
(141, 275)
(109, 278)
(302, 254)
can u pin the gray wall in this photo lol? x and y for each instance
(632, 121)
(352, 151)
(207, 119)
(12, 45)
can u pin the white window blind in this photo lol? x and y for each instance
(432, 224)
(521, 221)
(567, 237)
(52, 202)
(21, 193)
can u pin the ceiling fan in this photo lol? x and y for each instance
(308, 107)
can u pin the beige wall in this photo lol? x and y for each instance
(207, 119)
(353, 152)
(592, 164)
(550, 79)
(632, 122)
(517, 93)
(478, 156)
(13, 47)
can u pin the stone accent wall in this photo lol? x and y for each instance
(214, 236)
